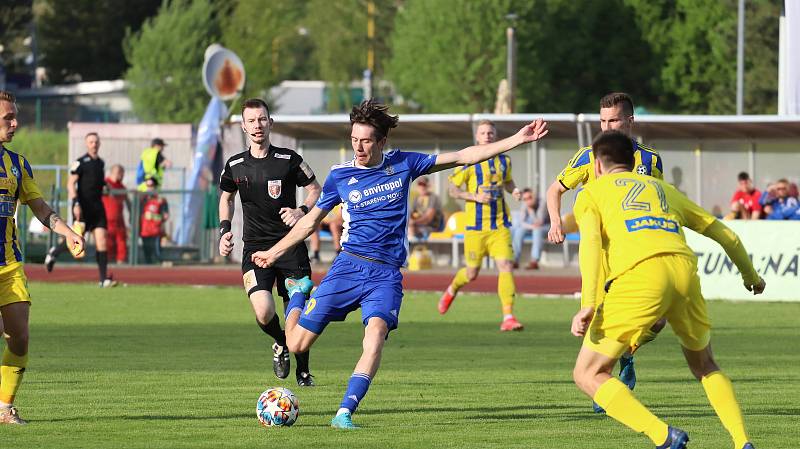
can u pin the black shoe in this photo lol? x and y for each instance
(49, 260)
(280, 361)
(305, 379)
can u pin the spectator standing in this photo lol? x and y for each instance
(155, 212)
(115, 203)
(426, 212)
(745, 203)
(152, 164)
(534, 220)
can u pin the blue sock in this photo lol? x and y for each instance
(297, 301)
(356, 390)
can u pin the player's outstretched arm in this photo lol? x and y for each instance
(554, 194)
(304, 228)
(736, 251)
(531, 132)
(49, 218)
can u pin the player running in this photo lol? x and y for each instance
(266, 178)
(85, 186)
(652, 273)
(17, 184)
(616, 113)
(373, 190)
(489, 222)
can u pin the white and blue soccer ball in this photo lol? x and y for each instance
(277, 407)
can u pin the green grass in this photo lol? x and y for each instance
(182, 367)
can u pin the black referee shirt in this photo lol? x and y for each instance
(91, 178)
(265, 186)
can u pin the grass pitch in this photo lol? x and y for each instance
(149, 367)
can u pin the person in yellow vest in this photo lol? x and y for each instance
(152, 164)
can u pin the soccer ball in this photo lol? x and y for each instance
(277, 407)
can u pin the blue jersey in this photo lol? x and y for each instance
(375, 203)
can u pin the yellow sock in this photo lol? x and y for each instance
(506, 291)
(12, 367)
(460, 280)
(621, 405)
(721, 396)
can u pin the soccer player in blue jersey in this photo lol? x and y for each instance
(373, 191)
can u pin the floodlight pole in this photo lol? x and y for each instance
(740, 62)
(511, 51)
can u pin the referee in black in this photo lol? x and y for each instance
(266, 178)
(85, 190)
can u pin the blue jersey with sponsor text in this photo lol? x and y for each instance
(375, 203)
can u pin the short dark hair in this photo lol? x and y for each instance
(254, 103)
(743, 176)
(153, 180)
(7, 96)
(374, 114)
(613, 148)
(91, 134)
(527, 190)
(615, 98)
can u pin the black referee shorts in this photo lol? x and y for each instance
(293, 264)
(94, 215)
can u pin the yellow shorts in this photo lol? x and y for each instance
(13, 284)
(496, 243)
(661, 286)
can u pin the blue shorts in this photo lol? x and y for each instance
(353, 282)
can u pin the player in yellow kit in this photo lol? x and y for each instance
(616, 113)
(17, 185)
(636, 221)
(488, 223)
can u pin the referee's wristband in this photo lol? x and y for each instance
(304, 208)
(224, 227)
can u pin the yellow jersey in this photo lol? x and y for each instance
(16, 184)
(488, 176)
(633, 217)
(580, 169)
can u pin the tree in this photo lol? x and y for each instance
(696, 40)
(449, 56)
(15, 21)
(571, 53)
(81, 40)
(272, 42)
(338, 31)
(166, 58)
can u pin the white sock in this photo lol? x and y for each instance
(343, 411)
(4, 405)
(508, 316)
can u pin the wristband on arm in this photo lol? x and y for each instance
(224, 227)
(304, 208)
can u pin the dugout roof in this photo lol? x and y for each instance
(445, 127)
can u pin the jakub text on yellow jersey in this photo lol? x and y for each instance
(638, 217)
(16, 184)
(488, 176)
(580, 169)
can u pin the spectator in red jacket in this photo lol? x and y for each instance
(155, 212)
(745, 202)
(115, 204)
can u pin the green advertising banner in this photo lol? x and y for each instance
(774, 247)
